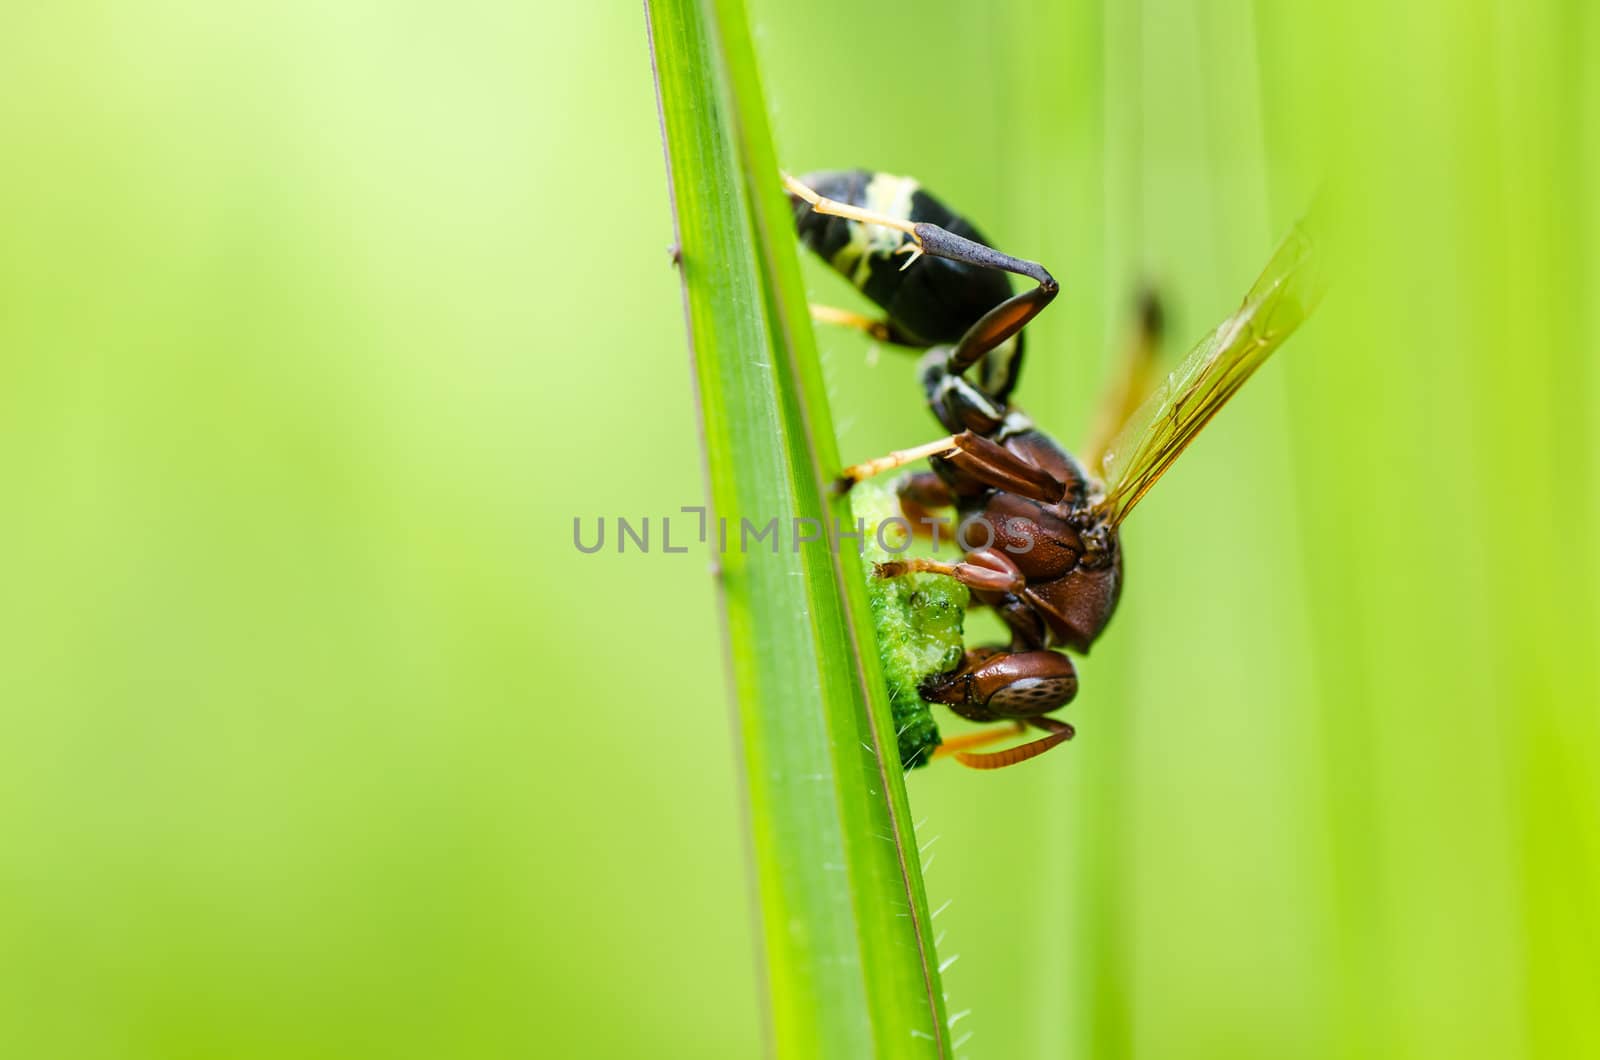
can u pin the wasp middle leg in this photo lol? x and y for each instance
(972, 453)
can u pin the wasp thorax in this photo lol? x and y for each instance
(955, 402)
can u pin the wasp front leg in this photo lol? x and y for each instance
(984, 570)
(995, 580)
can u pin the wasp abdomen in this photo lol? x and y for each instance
(932, 304)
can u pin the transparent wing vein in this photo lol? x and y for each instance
(1281, 299)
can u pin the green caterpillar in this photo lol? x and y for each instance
(919, 619)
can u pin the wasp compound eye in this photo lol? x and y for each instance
(998, 685)
(1026, 684)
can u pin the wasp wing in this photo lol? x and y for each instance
(1286, 293)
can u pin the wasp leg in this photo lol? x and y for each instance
(921, 495)
(879, 330)
(898, 458)
(994, 465)
(1059, 732)
(982, 738)
(998, 325)
(986, 460)
(972, 575)
(1005, 319)
(928, 239)
(986, 569)
(834, 208)
(942, 243)
(1130, 383)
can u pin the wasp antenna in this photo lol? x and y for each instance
(1013, 755)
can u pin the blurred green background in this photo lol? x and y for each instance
(320, 323)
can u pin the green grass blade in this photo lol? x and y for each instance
(844, 919)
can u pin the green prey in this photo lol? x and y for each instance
(918, 619)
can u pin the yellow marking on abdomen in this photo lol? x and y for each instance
(885, 194)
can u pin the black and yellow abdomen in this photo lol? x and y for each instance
(932, 303)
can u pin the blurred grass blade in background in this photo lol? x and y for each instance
(844, 919)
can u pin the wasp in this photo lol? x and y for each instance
(1039, 528)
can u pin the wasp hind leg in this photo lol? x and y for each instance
(1005, 319)
(928, 239)
(835, 208)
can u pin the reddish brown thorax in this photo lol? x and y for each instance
(1069, 559)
